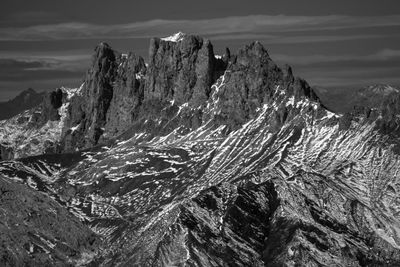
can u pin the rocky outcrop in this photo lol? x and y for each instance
(50, 105)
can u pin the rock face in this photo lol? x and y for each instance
(128, 94)
(223, 215)
(89, 110)
(182, 71)
(108, 101)
(50, 105)
(250, 80)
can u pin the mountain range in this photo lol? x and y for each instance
(197, 159)
(25, 100)
(344, 100)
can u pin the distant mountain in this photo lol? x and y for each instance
(346, 99)
(38, 130)
(24, 101)
(197, 159)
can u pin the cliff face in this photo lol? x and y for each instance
(182, 70)
(88, 111)
(128, 94)
(250, 81)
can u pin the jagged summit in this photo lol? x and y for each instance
(177, 37)
(183, 83)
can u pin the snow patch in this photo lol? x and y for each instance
(72, 91)
(177, 37)
(139, 76)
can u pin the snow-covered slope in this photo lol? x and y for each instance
(328, 188)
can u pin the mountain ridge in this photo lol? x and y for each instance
(25, 100)
(119, 90)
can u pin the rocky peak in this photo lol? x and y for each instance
(99, 91)
(253, 53)
(88, 111)
(252, 79)
(121, 92)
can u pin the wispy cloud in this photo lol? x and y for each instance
(351, 78)
(281, 39)
(382, 55)
(62, 61)
(228, 27)
(32, 17)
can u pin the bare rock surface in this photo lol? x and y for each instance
(37, 231)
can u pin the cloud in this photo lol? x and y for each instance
(31, 17)
(39, 69)
(214, 28)
(65, 61)
(382, 55)
(280, 39)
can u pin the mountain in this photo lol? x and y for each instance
(24, 101)
(346, 99)
(38, 130)
(196, 159)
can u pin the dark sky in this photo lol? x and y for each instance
(45, 44)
